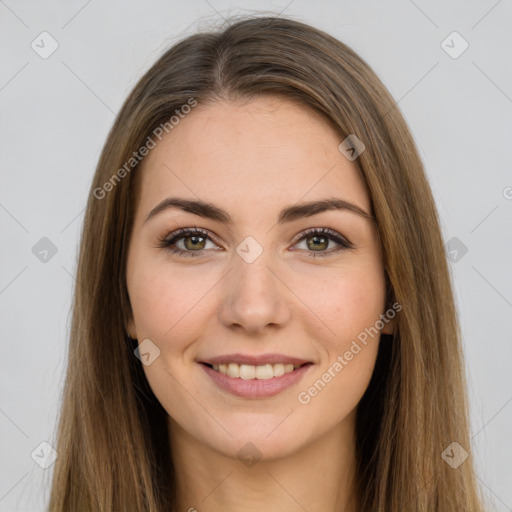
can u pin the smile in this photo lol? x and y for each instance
(249, 371)
(255, 381)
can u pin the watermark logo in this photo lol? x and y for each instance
(454, 45)
(455, 249)
(147, 352)
(143, 151)
(44, 250)
(454, 455)
(304, 397)
(351, 147)
(249, 455)
(44, 455)
(249, 249)
(44, 45)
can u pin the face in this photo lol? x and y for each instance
(251, 318)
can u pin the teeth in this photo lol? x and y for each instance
(264, 372)
(278, 370)
(248, 371)
(233, 370)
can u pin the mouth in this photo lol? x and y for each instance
(255, 377)
(249, 371)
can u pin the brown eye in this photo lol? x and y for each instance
(317, 241)
(194, 242)
(186, 242)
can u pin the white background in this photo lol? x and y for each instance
(55, 115)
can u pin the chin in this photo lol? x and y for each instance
(268, 437)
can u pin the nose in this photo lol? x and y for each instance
(254, 297)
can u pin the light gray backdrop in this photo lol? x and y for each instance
(58, 103)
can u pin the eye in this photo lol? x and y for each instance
(318, 240)
(192, 242)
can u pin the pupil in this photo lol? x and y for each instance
(316, 243)
(195, 240)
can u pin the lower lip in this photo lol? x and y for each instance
(256, 388)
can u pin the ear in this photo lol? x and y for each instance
(130, 329)
(389, 326)
(389, 317)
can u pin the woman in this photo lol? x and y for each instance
(263, 318)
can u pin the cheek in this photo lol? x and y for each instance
(170, 303)
(167, 309)
(351, 310)
(360, 299)
(349, 304)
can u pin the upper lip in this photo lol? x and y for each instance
(255, 360)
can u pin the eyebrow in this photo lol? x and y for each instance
(288, 214)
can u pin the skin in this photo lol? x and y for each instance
(252, 159)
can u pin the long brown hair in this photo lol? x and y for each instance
(112, 444)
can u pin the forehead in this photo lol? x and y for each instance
(260, 153)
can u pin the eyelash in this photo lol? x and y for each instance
(166, 243)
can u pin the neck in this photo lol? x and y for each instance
(318, 477)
